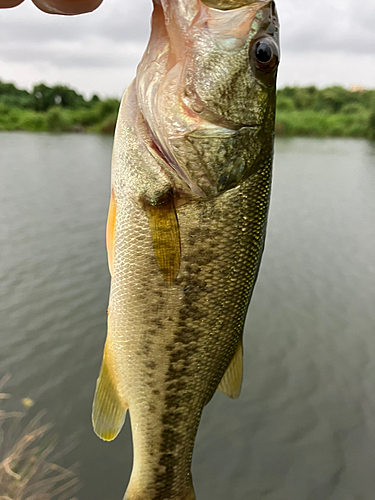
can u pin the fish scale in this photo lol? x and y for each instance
(185, 235)
(198, 337)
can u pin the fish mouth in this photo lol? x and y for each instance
(216, 131)
(170, 105)
(208, 122)
(227, 4)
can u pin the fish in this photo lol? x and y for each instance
(190, 192)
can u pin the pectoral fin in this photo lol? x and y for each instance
(110, 235)
(108, 412)
(231, 382)
(165, 235)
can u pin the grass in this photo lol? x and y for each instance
(27, 468)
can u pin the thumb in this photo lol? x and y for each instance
(66, 7)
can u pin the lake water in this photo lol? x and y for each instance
(304, 426)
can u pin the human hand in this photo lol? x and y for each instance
(66, 7)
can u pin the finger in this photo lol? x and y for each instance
(67, 7)
(7, 4)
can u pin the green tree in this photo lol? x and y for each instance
(68, 98)
(12, 96)
(45, 97)
(333, 98)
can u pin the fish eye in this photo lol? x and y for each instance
(265, 54)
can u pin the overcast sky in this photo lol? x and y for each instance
(324, 42)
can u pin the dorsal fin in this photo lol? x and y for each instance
(165, 234)
(231, 382)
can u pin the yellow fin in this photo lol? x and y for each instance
(231, 382)
(165, 234)
(108, 413)
(110, 235)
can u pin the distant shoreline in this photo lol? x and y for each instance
(330, 112)
(300, 111)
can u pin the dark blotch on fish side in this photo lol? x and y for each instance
(182, 349)
(151, 365)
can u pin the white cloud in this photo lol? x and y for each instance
(313, 68)
(328, 26)
(327, 42)
(323, 42)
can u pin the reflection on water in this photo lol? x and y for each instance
(304, 426)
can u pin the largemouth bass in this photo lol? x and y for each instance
(191, 180)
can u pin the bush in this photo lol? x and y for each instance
(284, 103)
(302, 123)
(371, 125)
(321, 124)
(11, 118)
(32, 121)
(100, 114)
(58, 121)
(353, 108)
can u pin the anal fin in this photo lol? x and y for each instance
(108, 412)
(231, 382)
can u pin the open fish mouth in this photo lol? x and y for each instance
(183, 114)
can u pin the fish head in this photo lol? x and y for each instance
(206, 88)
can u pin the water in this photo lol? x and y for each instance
(304, 427)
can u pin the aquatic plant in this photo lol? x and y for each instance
(27, 469)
